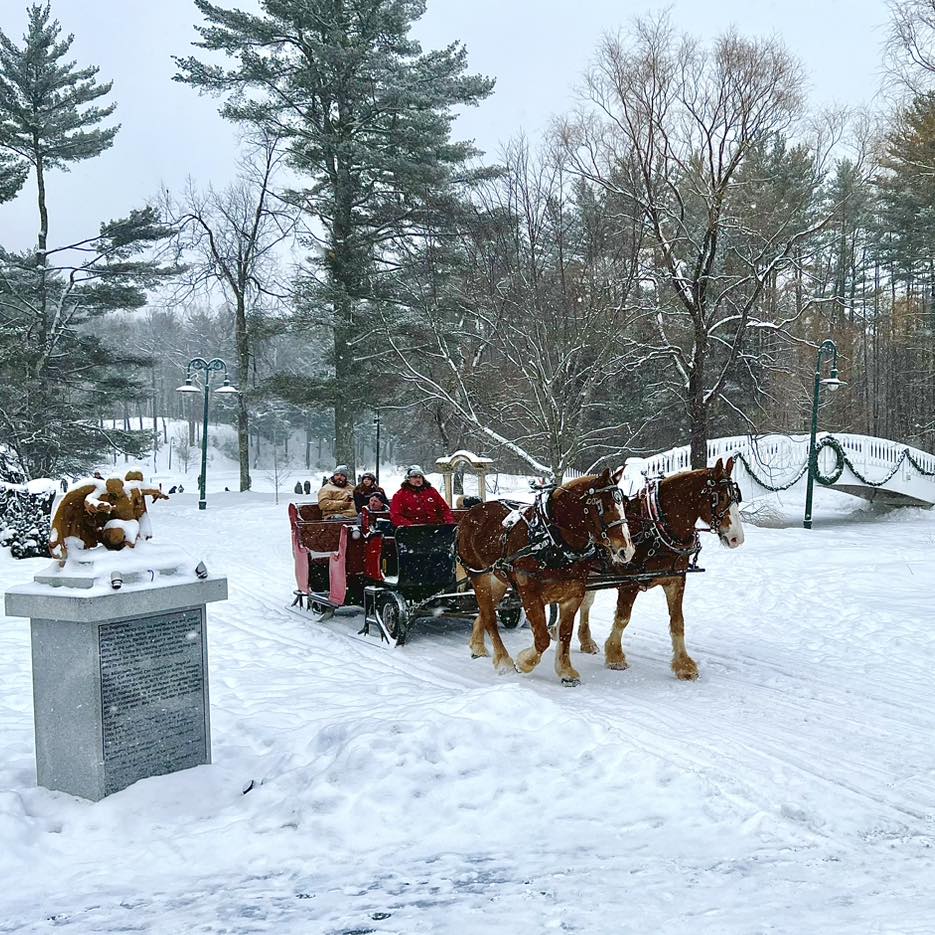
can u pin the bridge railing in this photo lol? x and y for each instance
(777, 462)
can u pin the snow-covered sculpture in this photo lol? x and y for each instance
(109, 512)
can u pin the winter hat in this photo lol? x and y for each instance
(369, 474)
(341, 469)
(414, 470)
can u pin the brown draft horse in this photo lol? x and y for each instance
(545, 552)
(662, 519)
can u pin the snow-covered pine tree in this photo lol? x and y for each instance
(366, 117)
(49, 119)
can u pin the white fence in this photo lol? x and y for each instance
(878, 468)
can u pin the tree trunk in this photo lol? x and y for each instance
(345, 272)
(343, 401)
(697, 408)
(243, 369)
(43, 246)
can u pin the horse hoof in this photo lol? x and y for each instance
(505, 666)
(618, 665)
(590, 647)
(571, 683)
(527, 660)
(686, 670)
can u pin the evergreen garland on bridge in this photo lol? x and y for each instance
(841, 461)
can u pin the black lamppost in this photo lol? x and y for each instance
(376, 422)
(828, 347)
(209, 366)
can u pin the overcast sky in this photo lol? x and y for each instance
(536, 49)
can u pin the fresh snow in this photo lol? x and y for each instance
(790, 789)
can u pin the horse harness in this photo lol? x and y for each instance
(657, 529)
(544, 540)
(547, 546)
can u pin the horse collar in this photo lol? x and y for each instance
(658, 526)
(542, 536)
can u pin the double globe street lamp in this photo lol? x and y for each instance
(215, 365)
(828, 348)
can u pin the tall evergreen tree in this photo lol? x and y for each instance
(41, 101)
(48, 360)
(366, 116)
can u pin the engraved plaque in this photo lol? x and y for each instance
(152, 696)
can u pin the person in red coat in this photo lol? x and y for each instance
(418, 503)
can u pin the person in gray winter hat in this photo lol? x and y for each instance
(336, 498)
(417, 502)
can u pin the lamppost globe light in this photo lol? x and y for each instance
(209, 366)
(832, 383)
(226, 389)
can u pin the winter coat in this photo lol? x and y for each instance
(336, 501)
(417, 506)
(363, 494)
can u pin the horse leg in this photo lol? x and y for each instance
(585, 641)
(683, 665)
(614, 657)
(489, 591)
(481, 593)
(563, 668)
(528, 659)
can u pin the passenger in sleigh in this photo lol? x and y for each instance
(367, 487)
(418, 503)
(377, 503)
(336, 497)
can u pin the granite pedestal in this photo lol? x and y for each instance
(120, 677)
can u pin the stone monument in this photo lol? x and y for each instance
(119, 665)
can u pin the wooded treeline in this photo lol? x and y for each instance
(659, 269)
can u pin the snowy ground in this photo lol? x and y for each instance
(790, 789)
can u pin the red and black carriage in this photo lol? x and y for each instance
(396, 575)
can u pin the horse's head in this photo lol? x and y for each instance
(720, 507)
(600, 503)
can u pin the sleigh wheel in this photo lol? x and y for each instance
(394, 616)
(510, 617)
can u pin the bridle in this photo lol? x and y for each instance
(658, 528)
(714, 488)
(601, 526)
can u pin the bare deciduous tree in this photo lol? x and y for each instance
(522, 343)
(668, 125)
(911, 44)
(231, 239)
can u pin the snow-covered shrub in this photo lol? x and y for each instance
(25, 522)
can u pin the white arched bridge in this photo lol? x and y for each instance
(872, 468)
